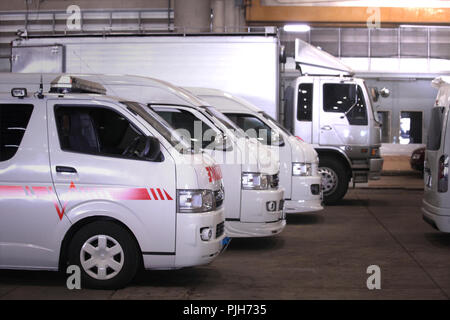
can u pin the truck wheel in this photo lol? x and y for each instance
(106, 254)
(334, 179)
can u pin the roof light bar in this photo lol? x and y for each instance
(70, 84)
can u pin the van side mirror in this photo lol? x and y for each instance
(152, 150)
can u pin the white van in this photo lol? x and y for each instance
(298, 160)
(254, 201)
(102, 183)
(436, 199)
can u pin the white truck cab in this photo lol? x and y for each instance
(298, 160)
(436, 198)
(103, 183)
(332, 110)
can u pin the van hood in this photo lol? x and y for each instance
(257, 157)
(302, 151)
(198, 171)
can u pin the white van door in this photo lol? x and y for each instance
(29, 223)
(94, 172)
(436, 159)
(343, 116)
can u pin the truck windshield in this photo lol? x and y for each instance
(435, 129)
(160, 125)
(347, 98)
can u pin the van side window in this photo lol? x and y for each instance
(96, 130)
(342, 98)
(304, 102)
(435, 128)
(14, 120)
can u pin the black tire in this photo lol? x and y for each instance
(128, 258)
(328, 165)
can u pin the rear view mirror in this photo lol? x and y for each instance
(152, 150)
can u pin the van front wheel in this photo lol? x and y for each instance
(334, 179)
(106, 254)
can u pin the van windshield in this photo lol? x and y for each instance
(224, 120)
(435, 129)
(160, 125)
(274, 122)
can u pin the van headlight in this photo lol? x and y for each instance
(195, 201)
(255, 181)
(301, 169)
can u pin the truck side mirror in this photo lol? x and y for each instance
(385, 92)
(152, 150)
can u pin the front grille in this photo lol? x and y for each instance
(220, 229)
(281, 207)
(274, 181)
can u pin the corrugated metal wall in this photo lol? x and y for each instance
(418, 42)
(92, 21)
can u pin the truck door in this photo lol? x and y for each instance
(304, 115)
(343, 114)
(92, 169)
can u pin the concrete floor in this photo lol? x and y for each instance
(322, 256)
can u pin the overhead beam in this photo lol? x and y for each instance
(257, 13)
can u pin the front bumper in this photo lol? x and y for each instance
(238, 229)
(438, 218)
(191, 250)
(375, 168)
(256, 219)
(302, 198)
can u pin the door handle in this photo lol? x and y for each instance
(327, 128)
(62, 169)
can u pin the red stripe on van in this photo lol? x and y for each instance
(12, 191)
(154, 194)
(160, 194)
(129, 194)
(167, 195)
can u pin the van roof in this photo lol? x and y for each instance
(157, 91)
(79, 96)
(228, 103)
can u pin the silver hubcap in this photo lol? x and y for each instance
(102, 257)
(329, 180)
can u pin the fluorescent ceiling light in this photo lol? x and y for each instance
(296, 28)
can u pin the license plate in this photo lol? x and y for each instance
(226, 241)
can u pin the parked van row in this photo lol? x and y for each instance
(111, 184)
